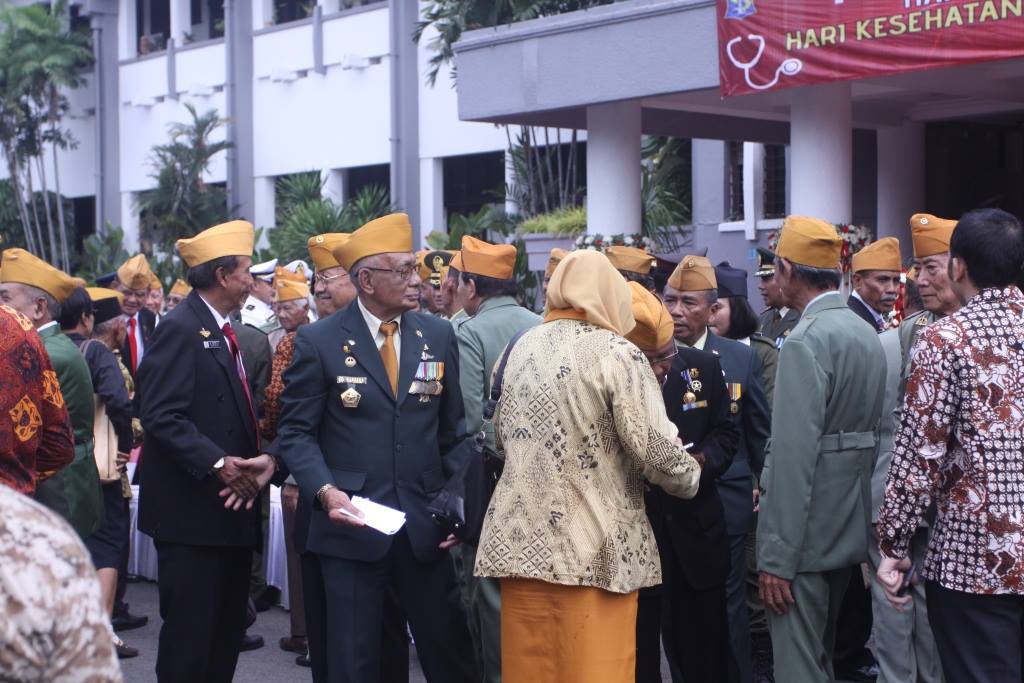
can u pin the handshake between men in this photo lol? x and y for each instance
(244, 479)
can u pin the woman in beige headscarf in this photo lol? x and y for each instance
(580, 423)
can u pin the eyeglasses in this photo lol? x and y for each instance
(664, 358)
(321, 277)
(403, 273)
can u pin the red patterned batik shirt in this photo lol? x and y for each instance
(960, 446)
(36, 440)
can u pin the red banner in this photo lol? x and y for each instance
(771, 44)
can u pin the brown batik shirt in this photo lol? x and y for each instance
(960, 445)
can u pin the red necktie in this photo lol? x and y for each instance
(236, 353)
(133, 344)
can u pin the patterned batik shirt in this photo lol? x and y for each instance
(581, 423)
(272, 397)
(53, 628)
(961, 445)
(36, 439)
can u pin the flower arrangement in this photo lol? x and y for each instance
(602, 242)
(855, 238)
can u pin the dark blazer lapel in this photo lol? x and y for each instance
(223, 357)
(412, 347)
(354, 328)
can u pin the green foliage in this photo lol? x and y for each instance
(183, 204)
(39, 61)
(11, 232)
(305, 214)
(451, 17)
(489, 219)
(566, 222)
(665, 190)
(102, 253)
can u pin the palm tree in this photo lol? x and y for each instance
(183, 203)
(41, 58)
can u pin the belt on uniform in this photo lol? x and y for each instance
(848, 441)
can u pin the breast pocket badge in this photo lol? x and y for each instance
(350, 398)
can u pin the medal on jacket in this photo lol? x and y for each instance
(735, 394)
(350, 398)
(692, 386)
(689, 398)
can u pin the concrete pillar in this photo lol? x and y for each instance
(900, 180)
(105, 44)
(181, 20)
(238, 93)
(129, 222)
(262, 14)
(613, 168)
(264, 202)
(335, 182)
(128, 42)
(821, 141)
(403, 17)
(432, 214)
(710, 182)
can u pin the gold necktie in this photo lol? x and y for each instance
(388, 355)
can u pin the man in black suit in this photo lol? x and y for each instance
(688, 609)
(372, 406)
(876, 282)
(689, 295)
(132, 280)
(202, 472)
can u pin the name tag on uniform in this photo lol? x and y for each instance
(212, 344)
(342, 379)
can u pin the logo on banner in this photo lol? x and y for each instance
(790, 67)
(739, 9)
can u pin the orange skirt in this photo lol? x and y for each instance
(566, 634)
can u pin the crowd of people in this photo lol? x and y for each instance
(670, 475)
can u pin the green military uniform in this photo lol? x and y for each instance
(74, 492)
(482, 340)
(776, 325)
(458, 318)
(815, 516)
(905, 647)
(769, 356)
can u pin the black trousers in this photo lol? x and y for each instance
(203, 591)
(854, 626)
(980, 638)
(692, 623)
(395, 640)
(356, 595)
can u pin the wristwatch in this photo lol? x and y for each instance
(219, 464)
(321, 492)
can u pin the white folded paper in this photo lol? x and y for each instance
(376, 516)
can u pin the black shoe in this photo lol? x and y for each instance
(303, 660)
(126, 621)
(124, 651)
(863, 674)
(267, 599)
(250, 642)
(293, 644)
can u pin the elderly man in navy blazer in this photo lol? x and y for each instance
(372, 408)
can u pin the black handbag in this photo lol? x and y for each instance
(460, 507)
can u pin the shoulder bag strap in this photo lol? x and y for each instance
(499, 377)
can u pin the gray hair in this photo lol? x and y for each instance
(820, 279)
(52, 305)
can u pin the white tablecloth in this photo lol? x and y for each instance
(142, 558)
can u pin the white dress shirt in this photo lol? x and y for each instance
(373, 324)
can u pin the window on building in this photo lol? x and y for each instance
(774, 181)
(207, 20)
(292, 10)
(734, 153)
(362, 177)
(472, 181)
(152, 25)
